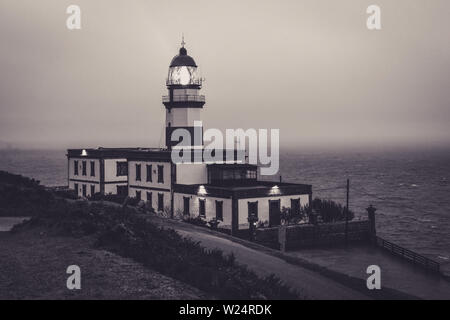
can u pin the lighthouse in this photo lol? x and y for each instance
(184, 103)
(220, 190)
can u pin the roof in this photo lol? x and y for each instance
(258, 189)
(182, 59)
(232, 166)
(128, 153)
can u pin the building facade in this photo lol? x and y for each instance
(226, 191)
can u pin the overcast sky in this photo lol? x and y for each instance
(310, 68)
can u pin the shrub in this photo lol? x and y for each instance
(17, 180)
(116, 198)
(198, 221)
(66, 194)
(131, 201)
(213, 223)
(330, 211)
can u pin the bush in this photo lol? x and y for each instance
(330, 211)
(198, 221)
(21, 196)
(131, 201)
(116, 198)
(17, 180)
(66, 194)
(290, 217)
(214, 223)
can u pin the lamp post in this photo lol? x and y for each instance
(252, 219)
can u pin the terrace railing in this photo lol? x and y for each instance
(409, 255)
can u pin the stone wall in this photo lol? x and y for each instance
(327, 234)
(306, 236)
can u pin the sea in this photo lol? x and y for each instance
(409, 188)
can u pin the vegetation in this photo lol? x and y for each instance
(121, 230)
(21, 196)
(214, 223)
(288, 216)
(330, 211)
(116, 198)
(198, 221)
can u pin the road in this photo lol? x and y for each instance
(308, 283)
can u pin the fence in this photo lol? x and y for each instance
(409, 255)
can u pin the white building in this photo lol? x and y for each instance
(228, 192)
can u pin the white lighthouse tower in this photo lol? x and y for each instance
(184, 103)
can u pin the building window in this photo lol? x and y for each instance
(76, 188)
(149, 198)
(219, 210)
(149, 173)
(138, 195)
(92, 168)
(160, 174)
(84, 190)
(160, 201)
(83, 172)
(92, 190)
(122, 190)
(138, 172)
(122, 168)
(295, 206)
(201, 208)
(75, 168)
(186, 206)
(251, 174)
(253, 209)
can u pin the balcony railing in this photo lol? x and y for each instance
(197, 82)
(184, 97)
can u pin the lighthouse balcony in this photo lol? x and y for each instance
(184, 98)
(184, 82)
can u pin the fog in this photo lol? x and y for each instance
(309, 68)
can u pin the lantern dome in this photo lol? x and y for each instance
(183, 70)
(182, 59)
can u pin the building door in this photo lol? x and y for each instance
(274, 213)
(201, 209)
(253, 209)
(186, 206)
(122, 190)
(219, 210)
(160, 201)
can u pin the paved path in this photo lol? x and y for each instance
(308, 283)
(395, 273)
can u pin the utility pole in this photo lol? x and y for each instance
(346, 213)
